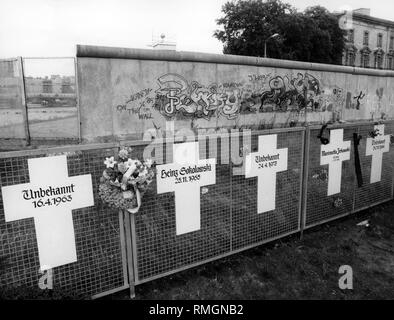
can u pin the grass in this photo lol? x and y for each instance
(295, 269)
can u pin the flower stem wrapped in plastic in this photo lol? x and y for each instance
(125, 181)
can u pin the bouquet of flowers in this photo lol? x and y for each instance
(125, 180)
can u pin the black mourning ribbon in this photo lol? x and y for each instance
(374, 133)
(323, 140)
(357, 164)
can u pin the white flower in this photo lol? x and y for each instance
(122, 167)
(123, 153)
(131, 167)
(110, 162)
(148, 162)
(144, 173)
(131, 163)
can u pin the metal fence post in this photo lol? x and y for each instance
(392, 164)
(77, 99)
(305, 170)
(354, 184)
(24, 101)
(231, 188)
(129, 251)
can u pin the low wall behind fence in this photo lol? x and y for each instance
(308, 187)
(124, 93)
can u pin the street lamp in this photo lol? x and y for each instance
(265, 43)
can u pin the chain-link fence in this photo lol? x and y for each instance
(321, 207)
(99, 233)
(229, 219)
(110, 257)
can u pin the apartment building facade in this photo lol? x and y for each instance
(369, 42)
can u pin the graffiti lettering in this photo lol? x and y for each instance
(139, 95)
(232, 84)
(179, 98)
(287, 94)
(257, 77)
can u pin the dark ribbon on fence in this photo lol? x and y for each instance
(374, 133)
(357, 164)
(323, 140)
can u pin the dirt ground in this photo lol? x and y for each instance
(295, 269)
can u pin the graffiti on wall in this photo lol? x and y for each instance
(138, 104)
(175, 97)
(287, 94)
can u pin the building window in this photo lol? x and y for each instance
(391, 43)
(378, 61)
(365, 60)
(380, 40)
(350, 59)
(390, 64)
(350, 36)
(366, 38)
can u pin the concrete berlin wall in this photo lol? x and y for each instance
(125, 92)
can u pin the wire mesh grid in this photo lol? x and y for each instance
(158, 249)
(319, 206)
(373, 193)
(251, 228)
(100, 265)
(229, 221)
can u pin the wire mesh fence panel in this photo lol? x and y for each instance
(51, 96)
(330, 199)
(158, 248)
(231, 218)
(101, 262)
(377, 185)
(11, 117)
(251, 227)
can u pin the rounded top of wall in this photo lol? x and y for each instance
(185, 56)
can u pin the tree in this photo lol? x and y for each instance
(313, 35)
(328, 23)
(248, 23)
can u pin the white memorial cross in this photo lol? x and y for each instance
(49, 198)
(264, 165)
(333, 154)
(185, 176)
(375, 147)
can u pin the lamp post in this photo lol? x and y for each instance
(265, 43)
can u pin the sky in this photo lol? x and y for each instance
(52, 28)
